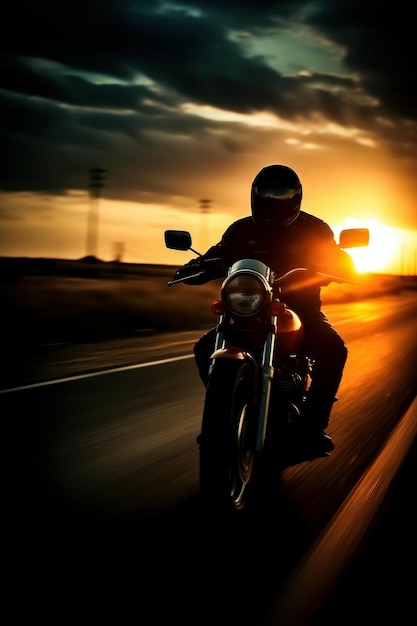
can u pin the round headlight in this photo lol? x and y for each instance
(245, 293)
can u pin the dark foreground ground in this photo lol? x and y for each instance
(382, 583)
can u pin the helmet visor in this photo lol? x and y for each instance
(276, 193)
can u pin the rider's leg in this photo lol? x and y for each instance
(203, 349)
(330, 354)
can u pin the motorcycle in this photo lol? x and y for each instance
(258, 377)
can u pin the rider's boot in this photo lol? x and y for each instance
(314, 421)
(317, 441)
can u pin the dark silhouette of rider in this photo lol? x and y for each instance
(284, 237)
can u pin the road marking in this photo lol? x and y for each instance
(321, 569)
(112, 370)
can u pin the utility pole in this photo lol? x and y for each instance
(96, 183)
(204, 209)
(118, 250)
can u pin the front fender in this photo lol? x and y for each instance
(237, 354)
(231, 352)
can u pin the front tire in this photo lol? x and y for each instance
(228, 436)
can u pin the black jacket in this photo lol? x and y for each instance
(308, 242)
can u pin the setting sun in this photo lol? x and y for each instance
(383, 251)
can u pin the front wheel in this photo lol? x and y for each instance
(227, 445)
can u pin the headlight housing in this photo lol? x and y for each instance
(246, 291)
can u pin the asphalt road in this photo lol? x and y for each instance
(380, 585)
(104, 517)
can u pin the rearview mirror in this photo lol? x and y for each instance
(178, 239)
(354, 238)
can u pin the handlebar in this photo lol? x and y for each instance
(277, 280)
(330, 277)
(183, 278)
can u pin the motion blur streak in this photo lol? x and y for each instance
(320, 571)
(123, 368)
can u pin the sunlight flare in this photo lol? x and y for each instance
(383, 251)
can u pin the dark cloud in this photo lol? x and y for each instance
(379, 38)
(86, 83)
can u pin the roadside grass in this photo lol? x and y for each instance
(77, 310)
(71, 302)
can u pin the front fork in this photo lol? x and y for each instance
(221, 351)
(267, 375)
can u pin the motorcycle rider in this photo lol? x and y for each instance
(283, 236)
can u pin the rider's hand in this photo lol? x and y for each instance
(338, 263)
(189, 269)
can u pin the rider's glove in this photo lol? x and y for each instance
(189, 269)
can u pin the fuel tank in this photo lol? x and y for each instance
(290, 333)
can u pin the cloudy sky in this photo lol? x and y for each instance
(184, 101)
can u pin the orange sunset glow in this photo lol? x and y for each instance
(132, 139)
(387, 249)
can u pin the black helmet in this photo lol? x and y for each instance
(276, 195)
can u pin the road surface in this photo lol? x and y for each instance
(103, 473)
